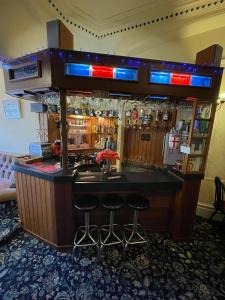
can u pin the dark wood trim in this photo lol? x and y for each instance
(210, 56)
(64, 142)
(40, 238)
(58, 35)
(184, 210)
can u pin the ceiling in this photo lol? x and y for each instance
(101, 12)
(101, 16)
(144, 28)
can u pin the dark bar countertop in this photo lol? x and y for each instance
(145, 180)
(49, 170)
(127, 181)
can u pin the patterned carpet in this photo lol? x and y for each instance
(9, 225)
(162, 270)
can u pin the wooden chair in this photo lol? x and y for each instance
(219, 203)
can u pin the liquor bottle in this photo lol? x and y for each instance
(142, 113)
(108, 143)
(128, 118)
(156, 118)
(103, 128)
(99, 128)
(134, 114)
(165, 118)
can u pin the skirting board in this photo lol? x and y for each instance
(205, 210)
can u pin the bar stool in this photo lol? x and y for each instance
(84, 234)
(111, 234)
(134, 233)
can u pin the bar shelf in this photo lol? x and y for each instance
(194, 159)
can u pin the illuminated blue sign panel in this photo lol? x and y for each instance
(160, 77)
(77, 69)
(126, 74)
(180, 79)
(201, 81)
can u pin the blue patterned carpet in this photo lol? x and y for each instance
(9, 225)
(163, 270)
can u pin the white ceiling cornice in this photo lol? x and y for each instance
(102, 21)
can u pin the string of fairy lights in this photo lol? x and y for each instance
(149, 22)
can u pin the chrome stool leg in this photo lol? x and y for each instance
(111, 233)
(86, 231)
(135, 236)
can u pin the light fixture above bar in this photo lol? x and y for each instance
(155, 97)
(120, 95)
(106, 72)
(180, 79)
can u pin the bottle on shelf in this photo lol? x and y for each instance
(108, 143)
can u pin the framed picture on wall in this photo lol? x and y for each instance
(12, 109)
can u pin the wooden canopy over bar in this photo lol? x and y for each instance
(44, 71)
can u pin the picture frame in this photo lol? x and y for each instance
(194, 164)
(12, 109)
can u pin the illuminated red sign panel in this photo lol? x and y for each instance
(102, 72)
(180, 79)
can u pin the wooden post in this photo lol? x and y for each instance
(210, 56)
(120, 140)
(62, 95)
(59, 36)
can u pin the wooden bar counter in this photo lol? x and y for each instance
(46, 201)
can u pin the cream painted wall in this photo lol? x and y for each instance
(15, 135)
(23, 28)
(215, 165)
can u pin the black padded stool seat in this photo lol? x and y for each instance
(112, 202)
(137, 202)
(87, 203)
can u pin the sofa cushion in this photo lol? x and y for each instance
(4, 183)
(7, 194)
(6, 163)
(7, 177)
